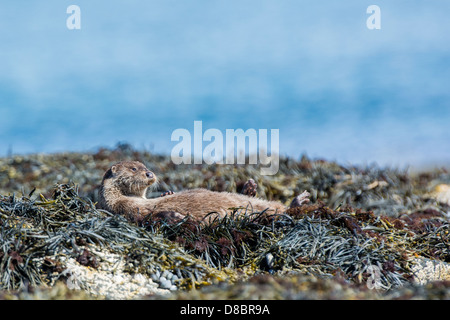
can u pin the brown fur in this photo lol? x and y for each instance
(125, 184)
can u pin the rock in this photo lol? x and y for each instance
(427, 270)
(442, 193)
(110, 280)
(165, 274)
(165, 284)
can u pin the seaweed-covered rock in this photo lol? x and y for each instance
(43, 240)
(365, 228)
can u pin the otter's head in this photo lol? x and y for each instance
(131, 177)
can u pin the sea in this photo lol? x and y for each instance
(358, 82)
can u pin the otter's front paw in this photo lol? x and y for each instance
(300, 200)
(167, 193)
(249, 188)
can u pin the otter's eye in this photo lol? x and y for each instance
(134, 169)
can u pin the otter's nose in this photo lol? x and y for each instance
(149, 174)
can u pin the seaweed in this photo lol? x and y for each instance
(67, 224)
(359, 218)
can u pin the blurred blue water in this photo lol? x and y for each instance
(138, 70)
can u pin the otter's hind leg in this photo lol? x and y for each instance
(300, 200)
(249, 188)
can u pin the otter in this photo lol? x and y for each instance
(124, 186)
